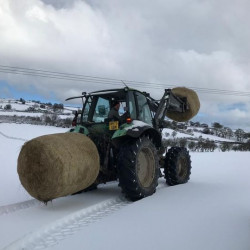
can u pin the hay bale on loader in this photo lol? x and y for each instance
(57, 165)
(192, 100)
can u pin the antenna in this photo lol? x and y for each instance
(124, 83)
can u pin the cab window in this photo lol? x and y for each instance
(144, 113)
(101, 110)
(85, 113)
(131, 105)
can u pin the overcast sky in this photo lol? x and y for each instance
(192, 43)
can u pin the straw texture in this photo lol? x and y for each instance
(193, 102)
(57, 165)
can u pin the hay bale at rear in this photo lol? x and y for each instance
(192, 100)
(57, 165)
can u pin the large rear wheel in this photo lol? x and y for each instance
(138, 168)
(177, 166)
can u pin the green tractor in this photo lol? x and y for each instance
(130, 144)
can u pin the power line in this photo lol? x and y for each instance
(109, 81)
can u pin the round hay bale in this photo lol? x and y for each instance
(57, 165)
(192, 100)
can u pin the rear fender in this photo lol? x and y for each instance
(135, 130)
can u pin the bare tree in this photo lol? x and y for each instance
(7, 107)
(174, 133)
(191, 146)
(217, 127)
(239, 133)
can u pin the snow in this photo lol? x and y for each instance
(211, 211)
(12, 113)
(211, 137)
(19, 107)
(64, 115)
(193, 135)
(70, 110)
(16, 105)
(28, 131)
(135, 125)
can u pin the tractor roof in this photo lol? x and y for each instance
(116, 92)
(113, 93)
(110, 92)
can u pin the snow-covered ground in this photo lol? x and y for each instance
(193, 135)
(17, 105)
(35, 114)
(212, 211)
(12, 113)
(19, 109)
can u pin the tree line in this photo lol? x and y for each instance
(45, 119)
(206, 145)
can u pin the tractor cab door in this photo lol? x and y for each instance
(95, 109)
(139, 108)
(101, 111)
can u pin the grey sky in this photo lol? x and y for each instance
(192, 43)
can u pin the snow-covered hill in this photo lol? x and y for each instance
(20, 108)
(193, 135)
(32, 112)
(211, 211)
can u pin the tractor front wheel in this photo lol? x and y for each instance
(138, 168)
(177, 166)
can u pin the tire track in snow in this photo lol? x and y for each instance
(59, 230)
(18, 206)
(12, 208)
(13, 138)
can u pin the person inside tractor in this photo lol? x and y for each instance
(114, 113)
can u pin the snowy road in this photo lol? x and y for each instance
(212, 211)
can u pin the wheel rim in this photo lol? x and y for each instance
(181, 167)
(145, 167)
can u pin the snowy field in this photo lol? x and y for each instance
(12, 113)
(193, 135)
(18, 109)
(211, 212)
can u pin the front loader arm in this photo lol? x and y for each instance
(169, 102)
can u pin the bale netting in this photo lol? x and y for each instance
(192, 100)
(57, 165)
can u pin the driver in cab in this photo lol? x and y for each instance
(114, 113)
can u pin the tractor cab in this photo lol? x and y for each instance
(133, 106)
(97, 105)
